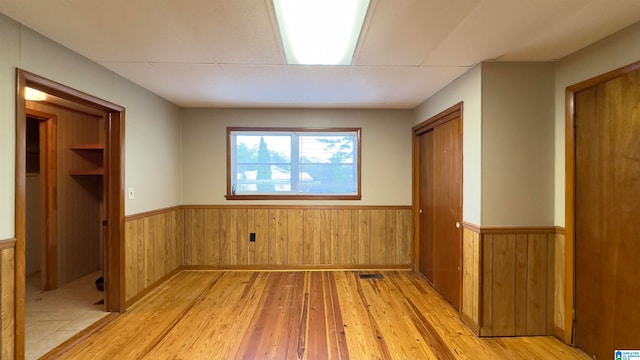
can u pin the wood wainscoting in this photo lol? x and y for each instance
(160, 243)
(154, 250)
(7, 299)
(512, 280)
(289, 237)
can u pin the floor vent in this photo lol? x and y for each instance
(371, 276)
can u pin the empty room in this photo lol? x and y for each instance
(306, 179)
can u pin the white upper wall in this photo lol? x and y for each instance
(386, 151)
(613, 52)
(152, 132)
(466, 88)
(517, 144)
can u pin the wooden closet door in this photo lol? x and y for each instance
(607, 216)
(426, 254)
(447, 213)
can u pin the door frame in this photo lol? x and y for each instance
(114, 191)
(446, 115)
(570, 181)
(48, 198)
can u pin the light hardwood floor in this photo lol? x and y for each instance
(301, 315)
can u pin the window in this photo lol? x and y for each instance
(273, 163)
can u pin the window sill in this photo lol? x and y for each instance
(293, 197)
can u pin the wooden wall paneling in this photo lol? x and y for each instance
(131, 258)
(503, 286)
(228, 236)
(140, 264)
(324, 236)
(364, 235)
(7, 303)
(159, 266)
(251, 228)
(470, 279)
(173, 236)
(343, 228)
(319, 247)
(377, 236)
(335, 245)
(477, 281)
(197, 237)
(242, 242)
(521, 282)
(295, 236)
(355, 237)
(149, 251)
(281, 232)
(537, 284)
(550, 288)
(211, 237)
(262, 236)
(559, 286)
(390, 244)
(309, 241)
(188, 214)
(406, 224)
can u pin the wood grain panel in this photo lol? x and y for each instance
(7, 303)
(519, 290)
(297, 236)
(537, 284)
(503, 286)
(153, 249)
(469, 310)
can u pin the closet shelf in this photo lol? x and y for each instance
(93, 155)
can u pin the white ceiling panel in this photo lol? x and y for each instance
(227, 53)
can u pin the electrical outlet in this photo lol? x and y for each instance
(252, 237)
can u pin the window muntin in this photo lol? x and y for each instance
(293, 163)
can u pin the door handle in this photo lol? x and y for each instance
(457, 225)
(420, 211)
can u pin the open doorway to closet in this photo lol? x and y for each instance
(70, 170)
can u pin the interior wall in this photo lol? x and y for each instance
(615, 51)
(385, 144)
(152, 148)
(517, 144)
(466, 88)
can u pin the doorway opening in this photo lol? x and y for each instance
(106, 170)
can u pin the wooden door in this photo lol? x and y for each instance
(425, 164)
(607, 216)
(447, 214)
(439, 168)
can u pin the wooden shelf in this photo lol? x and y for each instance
(94, 172)
(93, 153)
(98, 147)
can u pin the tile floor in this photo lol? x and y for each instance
(52, 317)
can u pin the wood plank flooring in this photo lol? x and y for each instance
(301, 315)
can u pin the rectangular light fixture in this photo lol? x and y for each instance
(320, 32)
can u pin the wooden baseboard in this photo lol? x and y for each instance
(406, 267)
(470, 324)
(77, 338)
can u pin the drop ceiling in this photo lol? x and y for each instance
(227, 53)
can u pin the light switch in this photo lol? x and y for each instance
(131, 193)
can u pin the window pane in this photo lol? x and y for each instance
(294, 162)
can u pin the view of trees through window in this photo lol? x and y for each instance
(294, 162)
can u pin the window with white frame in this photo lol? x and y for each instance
(300, 163)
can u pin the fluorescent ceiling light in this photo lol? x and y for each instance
(320, 32)
(34, 95)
